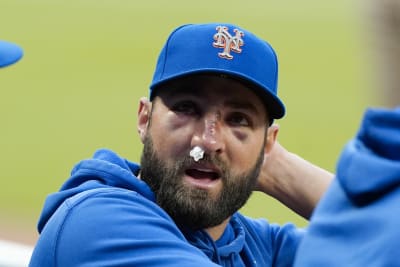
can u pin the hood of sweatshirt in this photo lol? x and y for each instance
(105, 169)
(370, 164)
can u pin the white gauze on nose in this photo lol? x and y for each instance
(197, 153)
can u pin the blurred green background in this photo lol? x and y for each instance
(87, 62)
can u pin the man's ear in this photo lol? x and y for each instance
(144, 114)
(271, 138)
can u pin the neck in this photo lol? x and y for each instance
(216, 231)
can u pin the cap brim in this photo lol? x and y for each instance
(9, 53)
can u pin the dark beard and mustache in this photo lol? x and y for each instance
(189, 206)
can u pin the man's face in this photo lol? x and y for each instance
(224, 118)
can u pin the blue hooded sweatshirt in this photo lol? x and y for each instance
(357, 221)
(105, 216)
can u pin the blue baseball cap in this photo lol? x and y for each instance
(9, 53)
(221, 49)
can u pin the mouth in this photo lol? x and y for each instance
(203, 176)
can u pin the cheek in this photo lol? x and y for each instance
(171, 135)
(245, 148)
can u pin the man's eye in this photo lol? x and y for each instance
(185, 107)
(239, 119)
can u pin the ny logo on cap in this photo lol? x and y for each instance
(223, 39)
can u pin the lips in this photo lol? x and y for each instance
(203, 176)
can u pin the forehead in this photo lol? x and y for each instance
(214, 88)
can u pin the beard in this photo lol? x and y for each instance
(193, 207)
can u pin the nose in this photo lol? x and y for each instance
(210, 136)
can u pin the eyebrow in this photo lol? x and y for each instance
(237, 104)
(242, 105)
